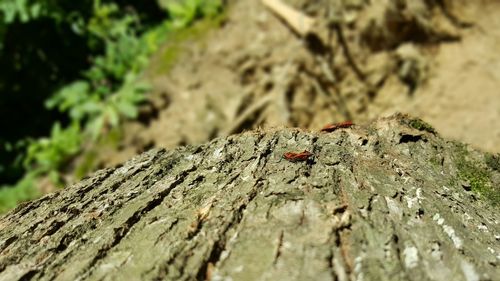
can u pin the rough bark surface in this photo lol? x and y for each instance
(387, 201)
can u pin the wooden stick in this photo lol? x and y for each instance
(300, 23)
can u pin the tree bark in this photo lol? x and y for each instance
(387, 201)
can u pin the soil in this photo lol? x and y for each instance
(437, 60)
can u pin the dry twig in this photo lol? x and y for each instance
(300, 23)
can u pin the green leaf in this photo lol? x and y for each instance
(9, 10)
(113, 116)
(175, 9)
(211, 8)
(127, 109)
(69, 96)
(95, 126)
(22, 9)
(35, 10)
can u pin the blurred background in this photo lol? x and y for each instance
(89, 84)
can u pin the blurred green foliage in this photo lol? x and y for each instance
(108, 91)
(185, 12)
(23, 191)
(45, 45)
(71, 73)
(50, 153)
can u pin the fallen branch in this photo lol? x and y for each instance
(300, 23)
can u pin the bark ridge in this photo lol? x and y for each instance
(390, 200)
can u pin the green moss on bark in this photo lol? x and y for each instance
(420, 125)
(478, 177)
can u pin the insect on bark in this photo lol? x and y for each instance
(297, 157)
(332, 127)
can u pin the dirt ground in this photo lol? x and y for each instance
(437, 60)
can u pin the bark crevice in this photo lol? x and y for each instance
(368, 207)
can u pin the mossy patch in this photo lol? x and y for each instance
(421, 125)
(493, 161)
(436, 160)
(478, 177)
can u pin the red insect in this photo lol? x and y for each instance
(333, 127)
(297, 157)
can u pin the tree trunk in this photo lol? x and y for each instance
(387, 201)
